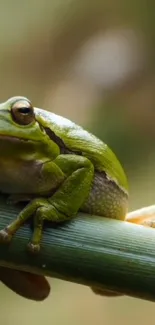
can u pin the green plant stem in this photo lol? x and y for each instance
(89, 250)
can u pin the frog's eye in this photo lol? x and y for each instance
(22, 112)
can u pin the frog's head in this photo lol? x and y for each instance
(21, 132)
(17, 119)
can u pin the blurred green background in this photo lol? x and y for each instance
(93, 62)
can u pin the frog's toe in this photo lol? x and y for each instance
(33, 248)
(5, 237)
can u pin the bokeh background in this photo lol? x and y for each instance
(92, 61)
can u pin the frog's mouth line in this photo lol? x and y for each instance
(13, 139)
(10, 138)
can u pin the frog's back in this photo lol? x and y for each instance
(75, 138)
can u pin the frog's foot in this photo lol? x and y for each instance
(149, 223)
(33, 248)
(46, 212)
(42, 210)
(7, 233)
(5, 236)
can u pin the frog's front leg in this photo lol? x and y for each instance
(67, 200)
(62, 205)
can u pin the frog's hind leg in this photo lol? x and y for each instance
(144, 216)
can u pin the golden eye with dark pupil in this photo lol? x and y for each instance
(22, 112)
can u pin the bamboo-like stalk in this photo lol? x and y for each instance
(98, 252)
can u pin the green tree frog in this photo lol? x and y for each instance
(58, 167)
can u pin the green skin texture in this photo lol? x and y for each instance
(59, 168)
